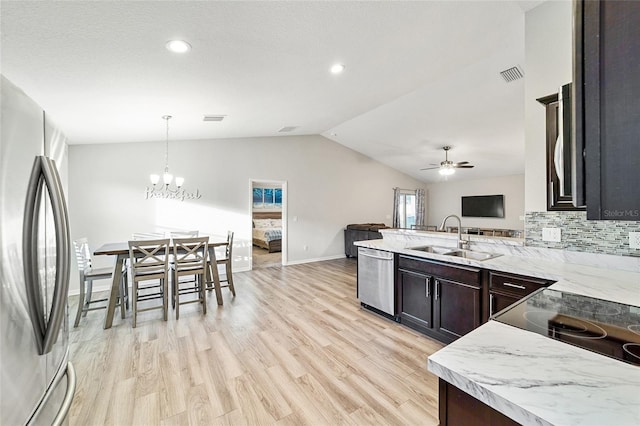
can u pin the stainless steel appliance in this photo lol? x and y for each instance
(36, 380)
(375, 280)
(602, 326)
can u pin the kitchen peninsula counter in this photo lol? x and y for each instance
(531, 378)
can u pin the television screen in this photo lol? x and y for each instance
(483, 206)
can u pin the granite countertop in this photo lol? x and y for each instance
(531, 378)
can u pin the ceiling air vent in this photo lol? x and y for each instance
(213, 117)
(512, 74)
(287, 129)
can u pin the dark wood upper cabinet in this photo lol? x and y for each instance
(559, 125)
(607, 106)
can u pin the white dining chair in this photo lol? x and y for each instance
(88, 274)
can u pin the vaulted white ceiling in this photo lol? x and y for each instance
(419, 75)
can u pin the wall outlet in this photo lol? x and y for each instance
(551, 234)
(634, 240)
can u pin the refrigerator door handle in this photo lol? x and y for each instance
(68, 397)
(44, 173)
(61, 221)
(29, 253)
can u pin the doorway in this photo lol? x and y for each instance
(268, 223)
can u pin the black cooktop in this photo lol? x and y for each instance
(608, 328)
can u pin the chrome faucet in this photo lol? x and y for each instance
(461, 243)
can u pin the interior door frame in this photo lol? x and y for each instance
(285, 231)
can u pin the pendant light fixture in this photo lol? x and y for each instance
(166, 190)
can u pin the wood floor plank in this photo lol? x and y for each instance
(293, 348)
(147, 410)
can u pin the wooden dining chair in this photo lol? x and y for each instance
(189, 260)
(149, 260)
(226, 261)
(87, 275)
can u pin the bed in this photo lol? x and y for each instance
(267, 231)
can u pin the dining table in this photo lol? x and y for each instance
(121, 251)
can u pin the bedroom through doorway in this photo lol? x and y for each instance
(268, 221)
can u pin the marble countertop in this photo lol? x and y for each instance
(531, 378)
(601, 282)
(540, 381)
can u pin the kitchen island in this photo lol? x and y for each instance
(531, 378)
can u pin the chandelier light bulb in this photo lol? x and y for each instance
(154, 179)
(179, 181)
(167, 178)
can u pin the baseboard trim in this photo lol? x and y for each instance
(316, 259)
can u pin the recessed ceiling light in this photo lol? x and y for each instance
(178, 46)
(337, 68)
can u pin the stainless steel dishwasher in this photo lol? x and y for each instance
(375, 279)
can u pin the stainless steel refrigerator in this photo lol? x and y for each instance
(37, 381)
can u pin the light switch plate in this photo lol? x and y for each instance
(634, 240)
(551, 234)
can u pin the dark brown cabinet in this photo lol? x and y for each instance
(459, 408)
(457, 308)
(559, 149)
(439, 299)
(506, 289)
(417, 299)
(607, 107)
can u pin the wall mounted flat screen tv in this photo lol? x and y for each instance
(483, 206)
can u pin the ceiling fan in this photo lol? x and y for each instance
(449, 167)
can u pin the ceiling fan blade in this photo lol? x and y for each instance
(431, 168)
(464, 167)
(462, 162)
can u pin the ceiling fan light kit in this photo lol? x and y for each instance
(447, 167)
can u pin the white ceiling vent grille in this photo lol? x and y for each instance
(287, 129)
(512, 74)
(213, 117)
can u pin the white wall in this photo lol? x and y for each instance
(548, 65)
(329, 186)
(443, 199)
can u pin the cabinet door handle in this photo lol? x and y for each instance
(437, 289)
(427, 285)
(490, 304)
(521, 287)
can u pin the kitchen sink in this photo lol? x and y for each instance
(433, 249)
(449, 251)
(473, 255)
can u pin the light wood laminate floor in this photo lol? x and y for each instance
(294, 347)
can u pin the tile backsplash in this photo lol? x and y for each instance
(580, 234)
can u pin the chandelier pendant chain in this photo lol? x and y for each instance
(165, 191)
(166, 150)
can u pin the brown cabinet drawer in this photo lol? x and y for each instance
(459, 273)
(515, 284)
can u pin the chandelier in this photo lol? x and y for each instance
(166, 190)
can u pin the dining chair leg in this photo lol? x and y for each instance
(203, 294)
(122, 297)
(80, 305)
(230, 278)
(165, 297)
(87, 297)
(134, 302)
(176, 295)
